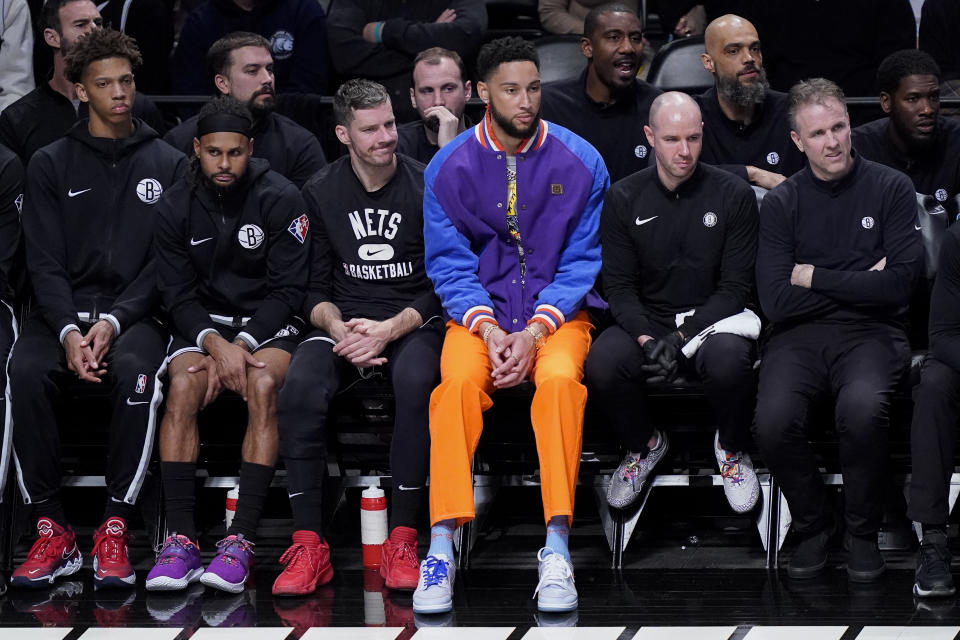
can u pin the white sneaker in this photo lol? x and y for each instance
(555, 591)
(740, 483)
(434, 592)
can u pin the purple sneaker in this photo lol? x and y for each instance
(178, 565)
(229, 569)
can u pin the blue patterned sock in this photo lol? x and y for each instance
(558, 530)
(441, 538)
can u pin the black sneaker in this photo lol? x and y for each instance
(933, 577)
(810, 556)
(864, 562)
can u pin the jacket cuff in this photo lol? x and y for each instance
(203, 334)
(549, 315)
(112, 319)
(250, 340)
(475, 315)
(67, 329)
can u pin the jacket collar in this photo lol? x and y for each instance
(488, 139)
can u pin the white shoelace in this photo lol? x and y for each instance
(556, 571)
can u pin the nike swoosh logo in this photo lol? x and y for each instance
(640, 222)
(73, 194)
(373, 253)
(917, 227)
(66, 553)
(294, 495)
(194, 243)
(33, 571)
(133, 404)
(403, 488)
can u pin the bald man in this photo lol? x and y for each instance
(679, 241)
(745, 123)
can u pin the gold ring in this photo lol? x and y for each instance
(516, 359)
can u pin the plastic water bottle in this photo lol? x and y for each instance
(373, 525)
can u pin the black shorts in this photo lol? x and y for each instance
(286, 339)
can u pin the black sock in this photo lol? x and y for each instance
(115, 508)
(50, 508)
(305, 488)
(254, 484)
(405, 509)
(179, 496)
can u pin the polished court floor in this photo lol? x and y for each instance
(691, 573)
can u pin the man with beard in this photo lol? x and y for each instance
(232, 261)
(88, 226)
(47, 113)
(914, 139)
(511, 235)
(243, 68)
(439, 94)
(374, 312)
(838, 257)
(607, 105)
(679, 243)
(745, 127)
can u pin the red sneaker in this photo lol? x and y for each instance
(111, 567)
(54, 554)
(307, 563)
(400, 566)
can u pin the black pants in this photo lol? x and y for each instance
(933, 436)
(8, 334)
(724, 362)
(38, 378)
(314, 377)
(859, 367)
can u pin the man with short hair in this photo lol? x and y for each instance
(839, 255)
(439, 94)
(745, 122)
(607, 105)
(913, 138)
(88, 223)
(243, 68)
(232, 260)
(47, 113)
(374, 312)
(511, 231)
(679, 242)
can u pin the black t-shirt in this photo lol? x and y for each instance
(615, 130)
(765, 143)
(412, 141)
(368, 246)
(668, 252)
(934, 172)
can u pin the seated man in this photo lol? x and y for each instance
(243, 68)
(232, 258)
(914, 138)
(607, 105)
(745, 123)
(679, 243)
(933, 432)
(439, 94)
(94, 283)
(47, 113)
(838, 257)
(11, 202)
(373, 309)
(511, 232)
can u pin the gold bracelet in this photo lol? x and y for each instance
(488, 331)
(538, 337)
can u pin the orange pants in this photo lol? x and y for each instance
(456, 418)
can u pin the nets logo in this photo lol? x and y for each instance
(867, 222)
(709, 219)
(281, 45)
(941, 195)
(640, 151)
(773, 158)
(299, 228)
(250, 236)
(149, 190)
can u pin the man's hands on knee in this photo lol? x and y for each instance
(98, 339)
(365, 341)
(227, 363)
(661, 357)
(80, 357)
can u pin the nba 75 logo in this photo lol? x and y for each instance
(299, 228)
(141, 383)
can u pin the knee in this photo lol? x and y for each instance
(728, 359)
(602, 374)
(28, 369)
(778, 416)
(303, 395)
(183, 397)
(416, 383)
(937, 381)
(861, 410)
(262, 386)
